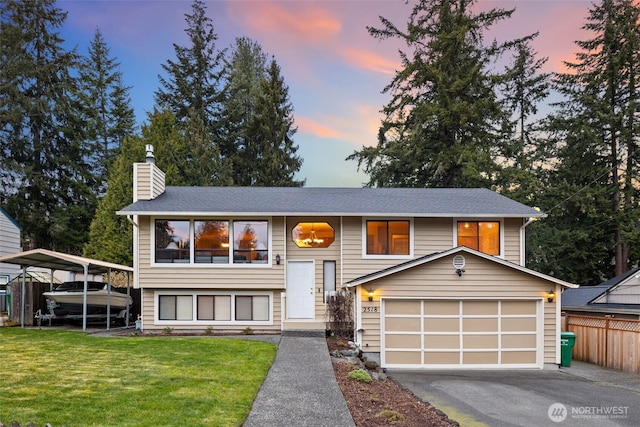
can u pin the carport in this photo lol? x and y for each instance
(55, 261)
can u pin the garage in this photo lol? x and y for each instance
(469, 333)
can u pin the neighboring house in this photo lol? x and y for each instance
(618, 297)
(9, 243)
(232, 258)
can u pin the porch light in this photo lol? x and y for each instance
(371, 294)
(551, 296)
(278, 259)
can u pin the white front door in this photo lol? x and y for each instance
(300, 286)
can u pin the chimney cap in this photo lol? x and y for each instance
(149, 158)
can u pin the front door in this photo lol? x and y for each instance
(300, 286)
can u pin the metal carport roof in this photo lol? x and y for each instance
(59, 261)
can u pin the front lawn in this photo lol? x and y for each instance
(69, 378)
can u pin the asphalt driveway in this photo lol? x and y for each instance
(580, 395)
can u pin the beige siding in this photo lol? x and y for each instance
(237, 277)
(512, 239)
(149, 181)
(482, 279)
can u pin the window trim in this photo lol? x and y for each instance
(365, 255)
(475, 219)
(192, 263)
(196, 322)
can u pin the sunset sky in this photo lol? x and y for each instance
(334, 69)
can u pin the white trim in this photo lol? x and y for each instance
(365, 255)
(195, 322)
(539, 334)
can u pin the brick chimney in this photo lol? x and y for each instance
(148, 179)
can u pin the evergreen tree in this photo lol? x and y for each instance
(45, 182)
(243, 76)
(440, 127)
(109, 117)
(192, 85)
(591, 194)
(111, 235)
(269, 154)
(524, 87)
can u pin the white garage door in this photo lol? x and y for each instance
(461, 333)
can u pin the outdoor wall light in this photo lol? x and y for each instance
(278, 259)
(370, 294)
(551, 296)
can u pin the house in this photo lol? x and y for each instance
(618, 297)
(10, 232)
(438, 274)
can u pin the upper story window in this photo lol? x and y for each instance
(250, 242)
(483, 236)
(313, 235)
(212, 244)
(172, 241)
(388, 237)
(211, 241)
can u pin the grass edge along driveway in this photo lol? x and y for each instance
(73, 379)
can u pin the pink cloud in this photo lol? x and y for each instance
(365, 59)
(297, 22)
(309, 125)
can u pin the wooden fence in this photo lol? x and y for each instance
(606, 341)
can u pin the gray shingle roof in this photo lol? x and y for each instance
(436, 202)
(582, 296)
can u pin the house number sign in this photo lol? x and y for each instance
(369, 309)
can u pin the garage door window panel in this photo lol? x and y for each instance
(442, 342)
(442, 324)
(403, 324)
(480, 342)
(442, 308)
(480, 358)
(520, 308)
(403, 307)
(403, 341)
(518, 324)
(480, 324)
(442, 358)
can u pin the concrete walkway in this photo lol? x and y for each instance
(300, 388)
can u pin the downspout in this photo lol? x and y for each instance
(522, 240)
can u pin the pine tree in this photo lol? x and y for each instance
(591, 193)
(192, 84)
(270, 153)
(243, 76)
(439, 129)
(109, 117)
(45, 183)
(111, 235)
(524, 87)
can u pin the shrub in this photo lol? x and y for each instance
(168, 330)
(390, 416)
(247, 331)
(360, 375)
(208, 330)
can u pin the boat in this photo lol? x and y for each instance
(69, 296)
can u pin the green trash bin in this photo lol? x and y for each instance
(567, 341)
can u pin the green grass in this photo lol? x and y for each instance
(69, 378)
